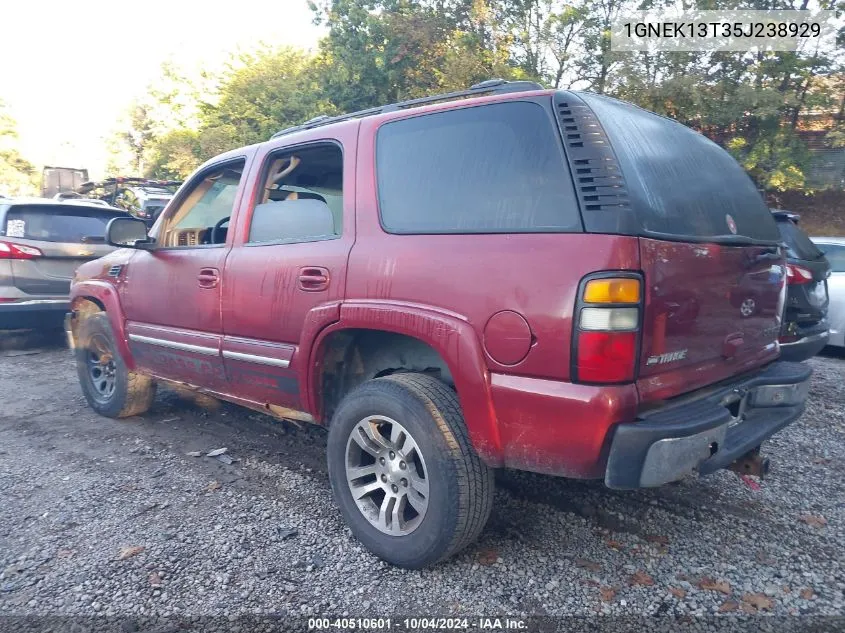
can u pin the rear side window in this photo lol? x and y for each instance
(680, 183)
(54, 223)
(487, 169)
(798, 245)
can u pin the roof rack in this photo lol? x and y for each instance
(491, 86)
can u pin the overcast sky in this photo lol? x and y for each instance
(69, 68)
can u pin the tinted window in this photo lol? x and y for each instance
(680, 183)
(71, 223)
(798, 245)
(487, 169)
(835, 255)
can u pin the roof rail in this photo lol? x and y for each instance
(491, 86)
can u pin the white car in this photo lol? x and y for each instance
(834, 250)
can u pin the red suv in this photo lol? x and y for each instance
(502, 277)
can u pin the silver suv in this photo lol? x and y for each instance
(42, 242)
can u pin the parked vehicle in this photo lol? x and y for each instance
(804, 331)
(142, 197)
(834, 250)
(504, 276)
(42, 242)
(55, 180)
(74, 198)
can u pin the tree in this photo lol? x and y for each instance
(262, 92)
(382, 51)
(17, 175)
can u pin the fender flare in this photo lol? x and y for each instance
(106, 295)
(449, 334)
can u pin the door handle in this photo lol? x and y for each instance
(208, 277)
(313, 278)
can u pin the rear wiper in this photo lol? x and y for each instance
(735, 240)
(92, 239)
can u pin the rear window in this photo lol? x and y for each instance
(486, 169)
(54, 223)
(835, 255)
(798, 245)
(680, 183)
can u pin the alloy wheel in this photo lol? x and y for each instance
(101, 369)
(748, 306)
(387, 476)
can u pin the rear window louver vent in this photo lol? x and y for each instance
(595, 170)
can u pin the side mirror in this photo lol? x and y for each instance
(128, 233)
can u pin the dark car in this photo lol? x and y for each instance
(501, 277)
(142, 197)
(804, 331)
(42, 242)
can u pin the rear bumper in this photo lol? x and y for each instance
(706, 431)
(812, 340)
(33, 314)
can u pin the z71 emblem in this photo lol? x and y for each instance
(668, 357)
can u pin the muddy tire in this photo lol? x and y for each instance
(108, 386)
(403, 471)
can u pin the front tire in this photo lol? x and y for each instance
(107, 384)
(403, 471)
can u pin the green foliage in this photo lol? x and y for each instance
(17, 175)
(174, 155)
(263, 92)
(776, 162)
(382, 51)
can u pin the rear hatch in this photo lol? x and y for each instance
(807, 299)
(709, 250)
(66, 236)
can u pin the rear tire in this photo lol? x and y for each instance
(431, 495)
(107, 384)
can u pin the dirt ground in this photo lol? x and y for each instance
(115, 518)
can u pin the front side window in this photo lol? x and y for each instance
(302, 197)
(202, 215)
(488, 169)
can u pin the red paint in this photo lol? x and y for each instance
(106, 294)
(499, 309)
(693, 297)
(451, 335)
(507, 337)
(556, 427)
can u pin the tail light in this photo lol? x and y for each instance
(607, 329)
(797, 275)
(8, 250)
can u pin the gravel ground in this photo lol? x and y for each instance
(114, 518)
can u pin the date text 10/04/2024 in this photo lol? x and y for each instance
(417, 624)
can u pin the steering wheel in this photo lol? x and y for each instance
(217, 228)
